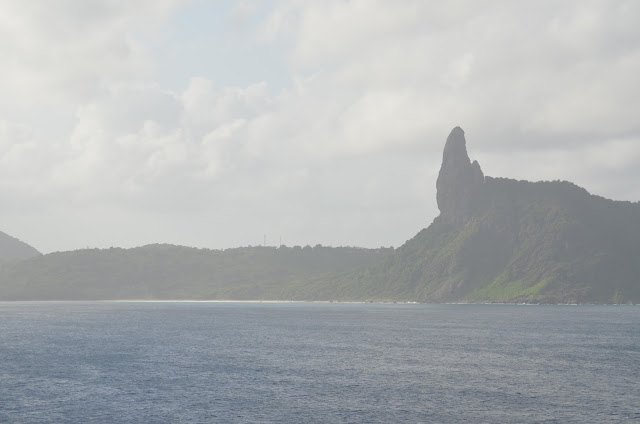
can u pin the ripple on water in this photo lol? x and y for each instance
(67, 362)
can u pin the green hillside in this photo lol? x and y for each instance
(554, 249)
(176, 272)
(502, 240)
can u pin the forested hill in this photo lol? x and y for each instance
(502, 240)
(176, 272)
(12, 249)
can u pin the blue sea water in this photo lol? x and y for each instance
(114, 362)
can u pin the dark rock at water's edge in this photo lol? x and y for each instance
(12, 249)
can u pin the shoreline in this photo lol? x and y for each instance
(271, 301)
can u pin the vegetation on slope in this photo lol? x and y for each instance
(176, 272)
(544, 242)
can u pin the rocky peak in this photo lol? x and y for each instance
(457, 179)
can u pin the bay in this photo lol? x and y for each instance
(192, 362)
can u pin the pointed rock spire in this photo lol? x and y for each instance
(458, 177)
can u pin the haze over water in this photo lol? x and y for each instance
(106, 362)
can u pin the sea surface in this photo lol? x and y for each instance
(188, 362)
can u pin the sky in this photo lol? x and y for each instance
(216, 124)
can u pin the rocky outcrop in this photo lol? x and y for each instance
(458, 179)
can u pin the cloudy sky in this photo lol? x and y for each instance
(214, 123)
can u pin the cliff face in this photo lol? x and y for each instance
(458, 179)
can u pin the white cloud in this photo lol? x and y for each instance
(18, 152)
(504, 66)
(348, 154)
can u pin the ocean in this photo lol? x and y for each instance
(192, 362)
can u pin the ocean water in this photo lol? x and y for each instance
(115, 362)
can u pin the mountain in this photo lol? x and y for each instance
(502, 240)
(12, 249)
(495, 240)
